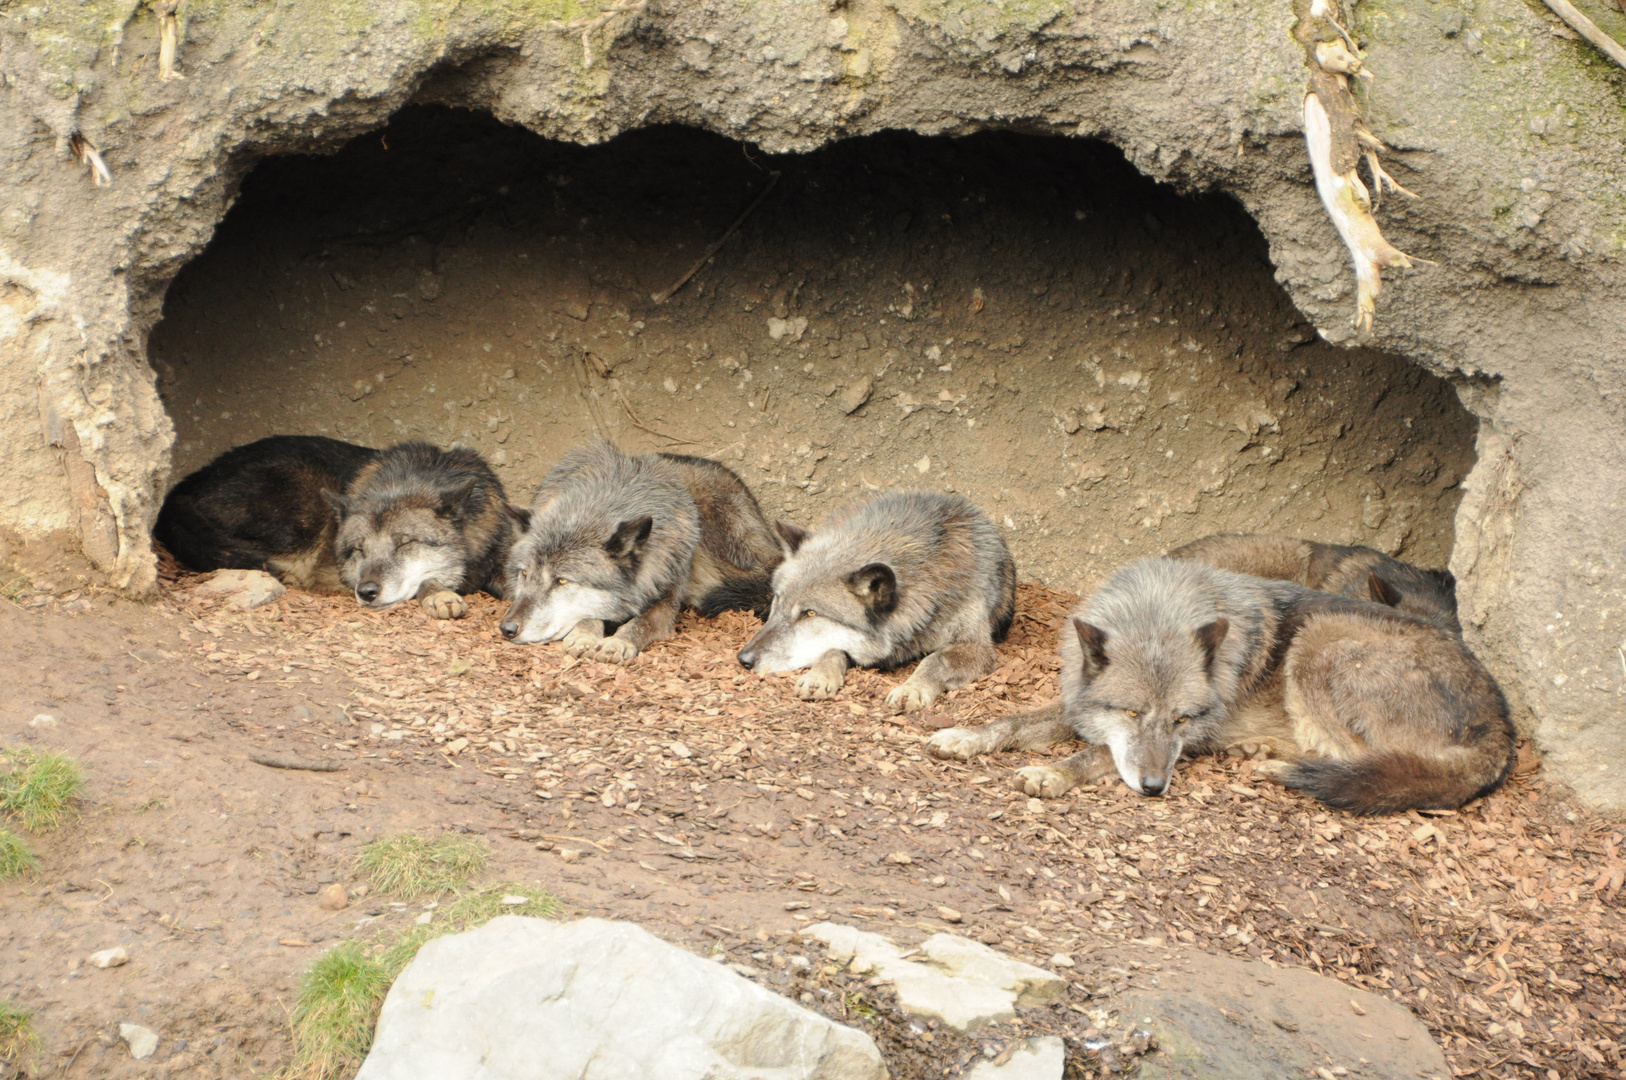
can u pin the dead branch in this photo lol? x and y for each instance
(168, 39)
(662, 297)
(295, 763)
(1589, 29)
(91, 158)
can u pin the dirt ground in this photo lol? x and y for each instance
(1110, 369)
(719, 811)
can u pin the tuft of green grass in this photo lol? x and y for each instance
(38, 786)
(343, 991)
(17, 1036)
(408, 866)
(337, 1008)
(15, 857)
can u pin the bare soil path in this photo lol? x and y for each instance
(720, 812)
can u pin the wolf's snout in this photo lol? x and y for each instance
(747, 657)
(368, 591)
(509, 628)
(1153, 785)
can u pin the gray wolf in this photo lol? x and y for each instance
(1360, 573)
(886, 582)
(260, 506)
(419, 521)
(612, 538)
(1368, 709)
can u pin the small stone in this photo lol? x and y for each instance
(515, 901)
(948, 914)
(333, 898)
(680, 750)
(1041, 1058)
(425, 919)
(245, 588)
(43, 720)
(569, 854)
(142, 1041)
(114, 957)
(856, 394)
(1061, 960)
(902, 858)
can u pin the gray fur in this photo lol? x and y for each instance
(1371, 709)
(888, 581)
(618, 539)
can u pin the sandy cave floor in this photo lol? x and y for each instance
(720, 812)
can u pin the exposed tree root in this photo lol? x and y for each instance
(88, 155)
(168, 38)
(1337, 142)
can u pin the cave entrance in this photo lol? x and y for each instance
(1107, 367)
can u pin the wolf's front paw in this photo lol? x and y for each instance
(612, 650)
(956, 743)
(580, 642)
(911, 697)
(1042, 781)
(444, 604)
(816, 685)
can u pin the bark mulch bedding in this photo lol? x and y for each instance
(1501, 926)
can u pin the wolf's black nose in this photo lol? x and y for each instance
(368, 591)
(748, 658)
(1153, 785)
(510, 630)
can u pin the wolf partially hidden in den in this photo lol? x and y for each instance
(615, 540)
(387, 525)
(1368, 709)
(883, 583)
(1360, 573)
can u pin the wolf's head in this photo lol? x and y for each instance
(562, 572)
(1430, 595)
(389, 547)
(1147, 694)
(819, 604)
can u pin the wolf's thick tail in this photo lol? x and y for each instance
(194, 538)
(1393, 782)
(745, 592)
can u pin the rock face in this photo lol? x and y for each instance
(529, 999)
(962, 983)
(1524, 307)
(1219, 1018)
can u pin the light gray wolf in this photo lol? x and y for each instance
(886, 582)
(1360, 573)
(419, 521)
(631, 540)
(260, 507)
(1367, 708)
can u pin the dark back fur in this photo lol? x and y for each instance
(259, 503)
(736, 541)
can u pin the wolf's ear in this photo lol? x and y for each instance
(1093, 640)
(629, 536)
(1382, 592)
(452, 498)
(1209, 637)
(341, 505)
(876, 585)
(794, 536)
(1442, 578)
(520, 516)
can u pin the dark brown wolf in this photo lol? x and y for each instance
(1369, 709)
(1360, 573)
(260, 507)
(421, 522)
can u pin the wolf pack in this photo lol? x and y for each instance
(1345, 668)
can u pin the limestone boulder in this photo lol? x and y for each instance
(531, 999)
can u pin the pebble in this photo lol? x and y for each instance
(114, 957)
(948, 914)
(515, 901)
(43, 720)
(333, 898)
(142, 1041)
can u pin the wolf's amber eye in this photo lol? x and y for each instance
(561, 581)
(524, 575)
(1132, 713)
(809, 613)
(1182, 719)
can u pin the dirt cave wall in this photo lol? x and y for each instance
(1106, 367)
(1511, 135)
